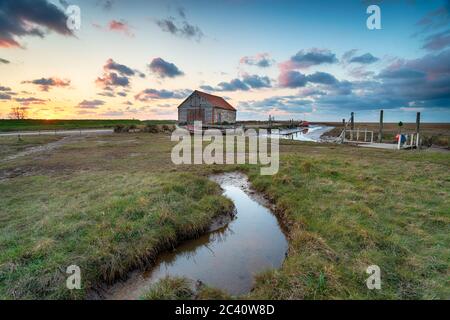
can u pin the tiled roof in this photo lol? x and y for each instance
(216, 101)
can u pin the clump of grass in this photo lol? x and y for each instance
(170, 288)
(181, 288)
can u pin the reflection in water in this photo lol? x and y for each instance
(312, 133)
(227, 258)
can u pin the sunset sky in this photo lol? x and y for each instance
(313, 60)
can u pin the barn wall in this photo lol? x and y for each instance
(195, 102)
(225, 115)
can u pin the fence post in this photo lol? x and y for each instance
(417, 129)
(380, 132)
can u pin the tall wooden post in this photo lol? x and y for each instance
(418, 130)
(352, 125)
(380, 133)
(343, 132)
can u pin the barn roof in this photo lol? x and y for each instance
(215, 101)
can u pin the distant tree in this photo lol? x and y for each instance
(18, 113)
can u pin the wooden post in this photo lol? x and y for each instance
(417, 130)
(352, 125)
(380, 133)
(357, 134)
(343, 124)
(365, 135)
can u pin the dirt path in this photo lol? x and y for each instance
(44, 148)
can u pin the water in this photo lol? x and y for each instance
(312, 133)
(227, 258)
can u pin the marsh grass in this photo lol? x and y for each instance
(110, 203)
(179, 288)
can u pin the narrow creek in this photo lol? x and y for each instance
(227, 258)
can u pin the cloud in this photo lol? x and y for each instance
(30, 100)
(248, 82)
(256, 82)
(5, 96)
(111, 65)
(112, 79)
(5, 88)
(286, 104)
(262, 60)
(120, 26)
(366, 58)
(4, 61)
(45, 84)
(436, 19)
(307, 58)
(182, 29)
(322, 78)
(20, 18)
(152, 94)
(105, 4)
(437, 41)
(164, 69)
(292, 79)
(90, 104)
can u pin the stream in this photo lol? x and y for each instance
(227, 258)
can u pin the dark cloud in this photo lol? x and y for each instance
(4, 61)
(46, 84)
(256, 82)
(90, 104)
(401, 73)
(164, 69)
(290, 104)
(292, 79)
(182, 12)
(182, 29)
(152, 94)
(262, 60)
(105, 4)
(436, 18)
(366, 58)
(307, 58)
(322, 78)
(248, 82)
(233, 85)
(30, 100)
(437, 41)
(5, 88)
(5, 96)
(111, 65)
(19, 18)
(112, 79)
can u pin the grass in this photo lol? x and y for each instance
(111, 203)
(35, 125)
(13, 145)
(178, 288)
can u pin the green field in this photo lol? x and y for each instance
(110, 203)
(35, 125)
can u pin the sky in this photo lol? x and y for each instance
(310, 60)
